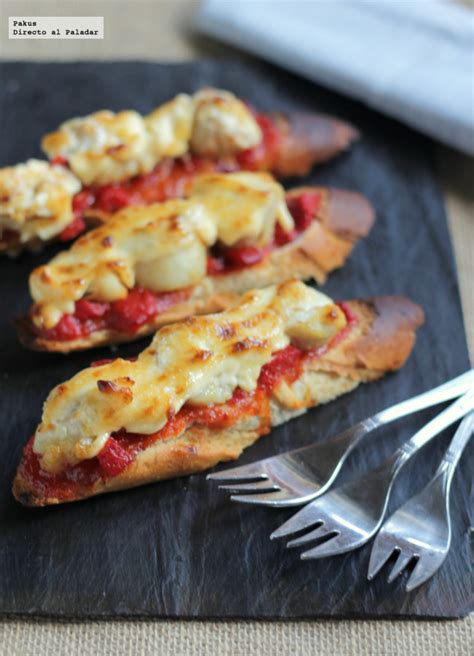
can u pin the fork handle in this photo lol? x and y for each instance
(350, 438)
(453, 413)
(445, 472)
(443, 476)
(459, 442)
(445, 392)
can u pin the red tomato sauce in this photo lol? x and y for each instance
(303, 208)
(122, 447)
(351, 319)
(285, 364)
(61, 486)
(262, 157)
(167, 180)
(126, 315)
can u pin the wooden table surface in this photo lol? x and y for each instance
(161, 30)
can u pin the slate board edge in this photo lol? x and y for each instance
(193, 617)
(44, 617)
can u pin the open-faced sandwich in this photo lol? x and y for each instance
(106, 161)
(152, 265)
(208, 131)
(206, 388)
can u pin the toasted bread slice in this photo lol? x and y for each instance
(380, 342)
(302, 140)
(343, 218)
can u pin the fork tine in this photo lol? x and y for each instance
(304, 518)
(318, 532)
(420, 574)
(262, 498)
(378, 557)
(333, 547)
(402, 561)
(266, 485)
(254, 470)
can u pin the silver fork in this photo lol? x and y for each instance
(298, 476)
(421, 528)
(350, 515)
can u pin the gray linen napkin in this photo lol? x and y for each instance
(411, 59)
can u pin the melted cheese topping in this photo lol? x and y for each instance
(105, 147)
(246, 206)
(170, 127)
(201, 360)
(36, 199)
(222, 125)
(163, 246)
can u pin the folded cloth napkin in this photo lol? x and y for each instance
(411, 59)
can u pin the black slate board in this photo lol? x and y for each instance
(180, 548)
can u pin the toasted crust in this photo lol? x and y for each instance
(380, 342)
(308, 139)
(343, 218)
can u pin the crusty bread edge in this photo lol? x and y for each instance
(309, 138)
(380, 342)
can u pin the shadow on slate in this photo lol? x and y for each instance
(180, 548)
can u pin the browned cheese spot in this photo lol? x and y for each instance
(107, 241)
(114, 387)
(44, 275)
(247, 344)
(201, 356)
(225, 331)
(113, 149)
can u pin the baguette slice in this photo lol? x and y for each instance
(343, 219)
(213, 126)
(380, 341)
(210, 131)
